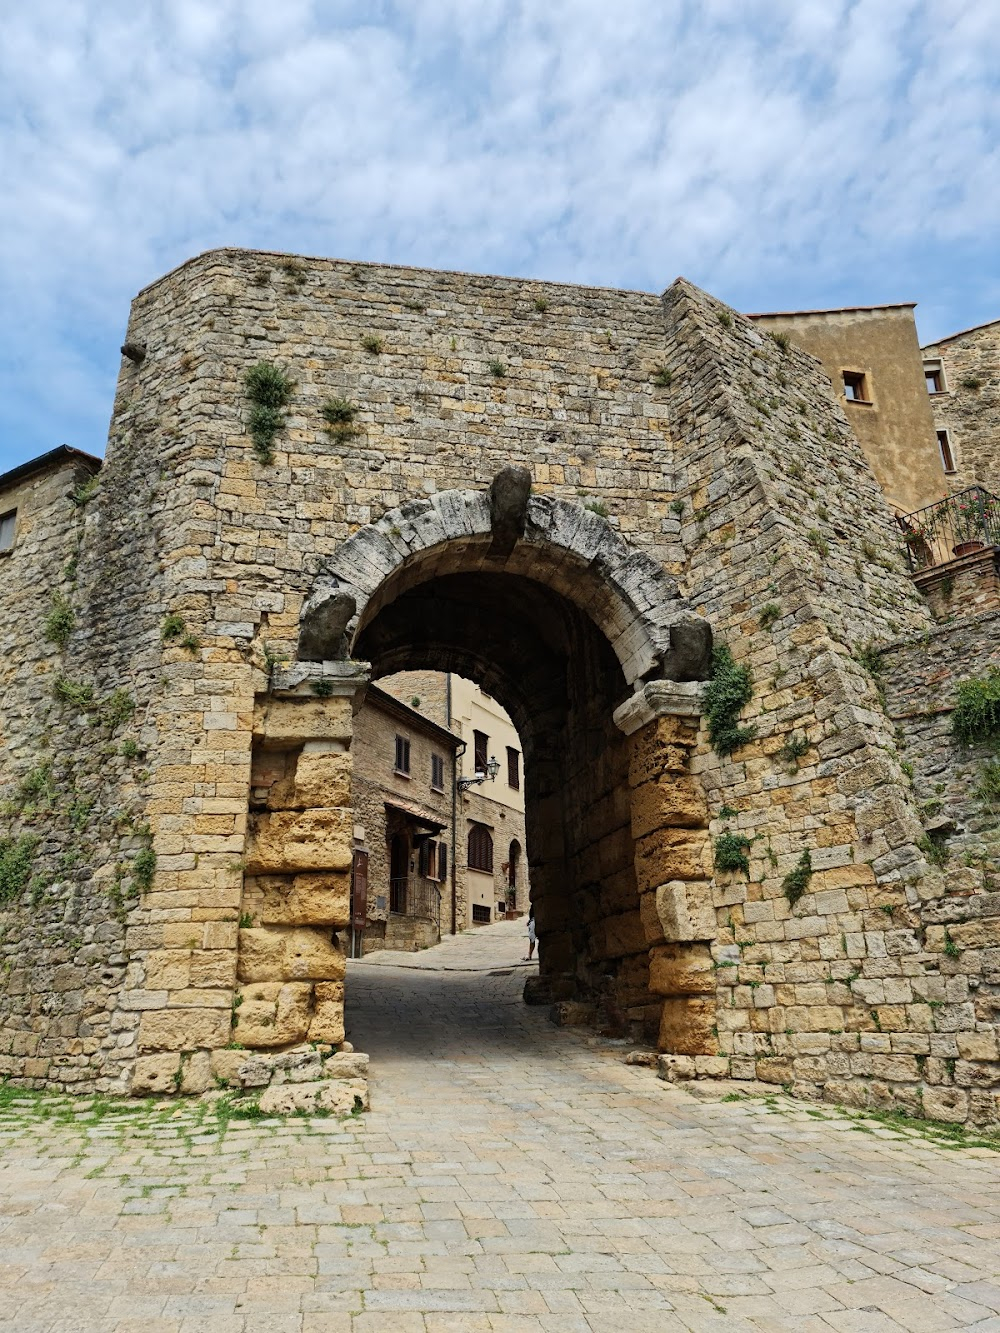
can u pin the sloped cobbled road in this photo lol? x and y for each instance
(509, 1177)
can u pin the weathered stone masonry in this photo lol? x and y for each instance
(726, 490)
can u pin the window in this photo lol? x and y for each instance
(934, 376)
(513, 768)
(856, 387)
(480, 914)
(442, 861)
(7, 530)
(402, 755)
(437, 772)
(947, 457)
(480, 848)
(428, 858)
(480, 750)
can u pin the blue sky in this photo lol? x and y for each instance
(782, 153)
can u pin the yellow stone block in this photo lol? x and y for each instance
(299, 900)
(672, 803)
(294, 721)
(662, 746)
(686, 1026)
(681, 969)
(296, 953)
(183, 1029)
(287, 841)
(273, 1014)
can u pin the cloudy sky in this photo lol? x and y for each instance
(782, 153)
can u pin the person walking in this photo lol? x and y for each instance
(531, 934)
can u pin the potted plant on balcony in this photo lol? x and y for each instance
(968, 516)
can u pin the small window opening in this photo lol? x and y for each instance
(480, 914)
(934, 376)
(513, 768)
(947, 457)
(7, 522)
(856, 387)
(402, 755)
(480, 750)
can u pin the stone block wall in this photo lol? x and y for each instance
(721, 480)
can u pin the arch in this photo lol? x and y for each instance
(571, 550)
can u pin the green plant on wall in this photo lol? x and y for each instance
(60, 620)
(339, 414)
(16, 859)
(143, 868)
(728, 690)
(976, 717)
(732, 852)
(269, 389)
(73, 692)
(795, 883)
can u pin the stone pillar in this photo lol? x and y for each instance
(297, 886)
(673, 861)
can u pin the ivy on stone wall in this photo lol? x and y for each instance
(976, 717)
(16, 861)
(796, 881)
(727, 692)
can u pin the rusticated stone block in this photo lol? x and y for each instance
(303, 900)
(183, 1029)
(295, 721)
(684, 910)
(687, 1026)
(671, 854)
(681, 969)
(156, 1073)
(663, 746)
(339, 1096)
(328, 1018)
(296, 953)
(322, 779)
(289, 841)
(618, 936)
(273, 1013)
(675, 802)
(213, 968)
(946, 1104)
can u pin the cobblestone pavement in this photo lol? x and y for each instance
(510, 1176)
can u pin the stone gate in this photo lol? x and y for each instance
(566, 494)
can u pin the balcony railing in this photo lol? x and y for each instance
(958, 526)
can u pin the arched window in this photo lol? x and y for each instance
(513, 859)
(480, 848)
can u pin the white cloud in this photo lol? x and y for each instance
(777, 151)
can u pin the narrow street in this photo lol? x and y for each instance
(511, 1176)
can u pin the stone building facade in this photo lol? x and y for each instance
(963, 373)
(490, 813)
(403, 794)
(564, 494)
(873, 358)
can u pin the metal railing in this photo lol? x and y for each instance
(960, 525)
(409, 897)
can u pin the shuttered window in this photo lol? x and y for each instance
(480, 848)
(402, 755)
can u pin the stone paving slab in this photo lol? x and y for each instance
(511, 1176)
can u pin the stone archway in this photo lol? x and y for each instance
(588, 646)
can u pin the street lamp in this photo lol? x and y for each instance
(492, 769)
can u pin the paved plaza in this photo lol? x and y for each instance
(510, 1176)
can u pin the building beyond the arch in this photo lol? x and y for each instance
(566, 494)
